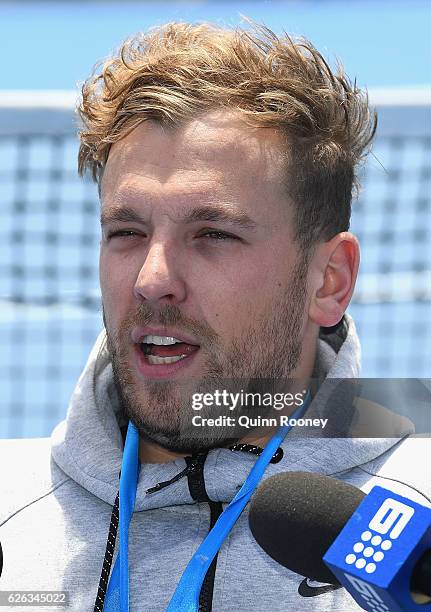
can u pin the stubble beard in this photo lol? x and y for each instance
(269, 350)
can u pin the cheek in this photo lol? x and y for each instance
(116, 285)
(232, 301)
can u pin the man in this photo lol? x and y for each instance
(225, 163)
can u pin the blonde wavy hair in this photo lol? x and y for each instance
(179, 71)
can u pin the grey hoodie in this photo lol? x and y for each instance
(57, 494)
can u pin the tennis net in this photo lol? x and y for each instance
(49, 294)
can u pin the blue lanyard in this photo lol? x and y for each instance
(117, 595)
(186, 596)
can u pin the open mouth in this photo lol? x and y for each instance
(164, 350)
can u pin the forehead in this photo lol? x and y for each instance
(216, 155)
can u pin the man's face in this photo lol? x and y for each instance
(197, 249)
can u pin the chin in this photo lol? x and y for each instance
(183, 444)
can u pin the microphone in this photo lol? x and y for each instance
(378, 546)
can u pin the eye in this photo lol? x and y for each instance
(121, 234)
(217, 235)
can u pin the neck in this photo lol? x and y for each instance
(150, 452)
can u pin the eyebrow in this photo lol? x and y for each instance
(226, 213)
(120, 213)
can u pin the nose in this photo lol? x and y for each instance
(159, 278)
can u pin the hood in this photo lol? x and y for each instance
(88, 444)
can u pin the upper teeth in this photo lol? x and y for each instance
(160, 340)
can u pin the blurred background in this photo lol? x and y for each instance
(49, 296)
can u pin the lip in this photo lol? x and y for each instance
(138, 334)
(161, 371)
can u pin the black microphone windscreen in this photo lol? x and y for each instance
(295, 517)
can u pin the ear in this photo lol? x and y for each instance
(335, 267)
